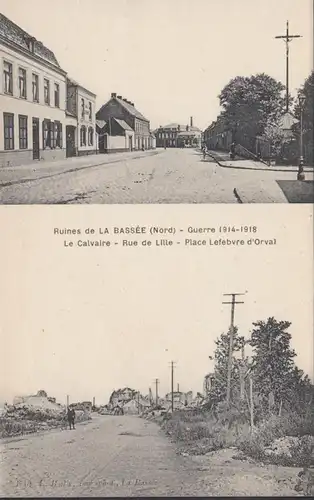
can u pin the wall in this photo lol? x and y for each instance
(85, 121)
(20, 106)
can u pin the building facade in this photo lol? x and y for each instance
(120, 108)
(175, 135)
(81, 138)
(42, 115)
(32, 99)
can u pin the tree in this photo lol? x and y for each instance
(276, 378)
(251, 103)
(219, 386)
(307, 90)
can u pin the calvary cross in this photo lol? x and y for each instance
(287, 38)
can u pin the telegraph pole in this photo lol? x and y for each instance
(233, 304)
(156, 385)
(172, 369)
(287, 39)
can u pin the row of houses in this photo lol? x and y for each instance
(175, 135)
(47, 115)
(219, 136)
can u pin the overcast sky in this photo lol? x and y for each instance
(86, 321)
(170, 57)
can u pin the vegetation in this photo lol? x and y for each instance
(283, 428)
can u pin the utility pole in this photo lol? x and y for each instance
(233, 304)
(242, 368)
(172, 370)
(156, 385)
(287, 38)
(68, 400)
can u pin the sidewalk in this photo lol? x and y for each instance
(223, 160)
(42, 169)
(263, 191)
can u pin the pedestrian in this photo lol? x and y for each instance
(71, 417)
(204, 151)
(232, 151)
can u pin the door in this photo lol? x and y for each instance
(70, 141)
(130, 143)
(35, 138)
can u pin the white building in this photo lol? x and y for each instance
(33, 103)
(32, 99)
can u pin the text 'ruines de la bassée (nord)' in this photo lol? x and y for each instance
(160, 236)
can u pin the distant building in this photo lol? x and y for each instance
(121, 116)
(175, 135)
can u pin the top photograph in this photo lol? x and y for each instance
(168, 102)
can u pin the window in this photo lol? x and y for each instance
(8, 77)
(35, 88)
(83, 135)
(46, 91)
(8, 122)
(46, 134)
(82, 108)
(22, 132)
(22, 83)
(58, 134)
(90, 110)
(90, 136)
(57, 95)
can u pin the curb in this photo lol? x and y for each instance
(71, 170)
(236, 194)
(268, 169)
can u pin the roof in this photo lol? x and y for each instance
(286, 121)
(123, 124)
(182, 127)
(131, 109)
(187, 132)
(13, 33)
(100, 123)
(76, 84)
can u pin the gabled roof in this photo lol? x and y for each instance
(123, 124)
(131, 109)
(13, 33)
(287, 121)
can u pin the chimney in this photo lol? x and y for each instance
(178, 388)
(119, 96)
(191, 121)
(113, 94)
(132, 103)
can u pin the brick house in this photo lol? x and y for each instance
(119, 108)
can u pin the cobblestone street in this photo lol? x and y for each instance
(170, 176)
(127, 456)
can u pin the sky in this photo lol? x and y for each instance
(84, 322)
(170, 57)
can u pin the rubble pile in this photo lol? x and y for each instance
(292, 449)
(34, 415)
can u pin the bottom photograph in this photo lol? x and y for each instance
(150, 383)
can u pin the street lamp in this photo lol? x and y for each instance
(301, 175)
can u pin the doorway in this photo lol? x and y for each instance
(70, 141)
(36, 139)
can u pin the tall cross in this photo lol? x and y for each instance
(287, 38)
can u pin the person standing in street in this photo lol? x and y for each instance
(71, 418)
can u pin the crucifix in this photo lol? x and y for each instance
(287, 38)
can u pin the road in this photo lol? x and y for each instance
(127, 456)
(171, 176)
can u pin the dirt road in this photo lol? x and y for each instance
(127, 456)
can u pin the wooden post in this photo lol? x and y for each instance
(251, 403)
